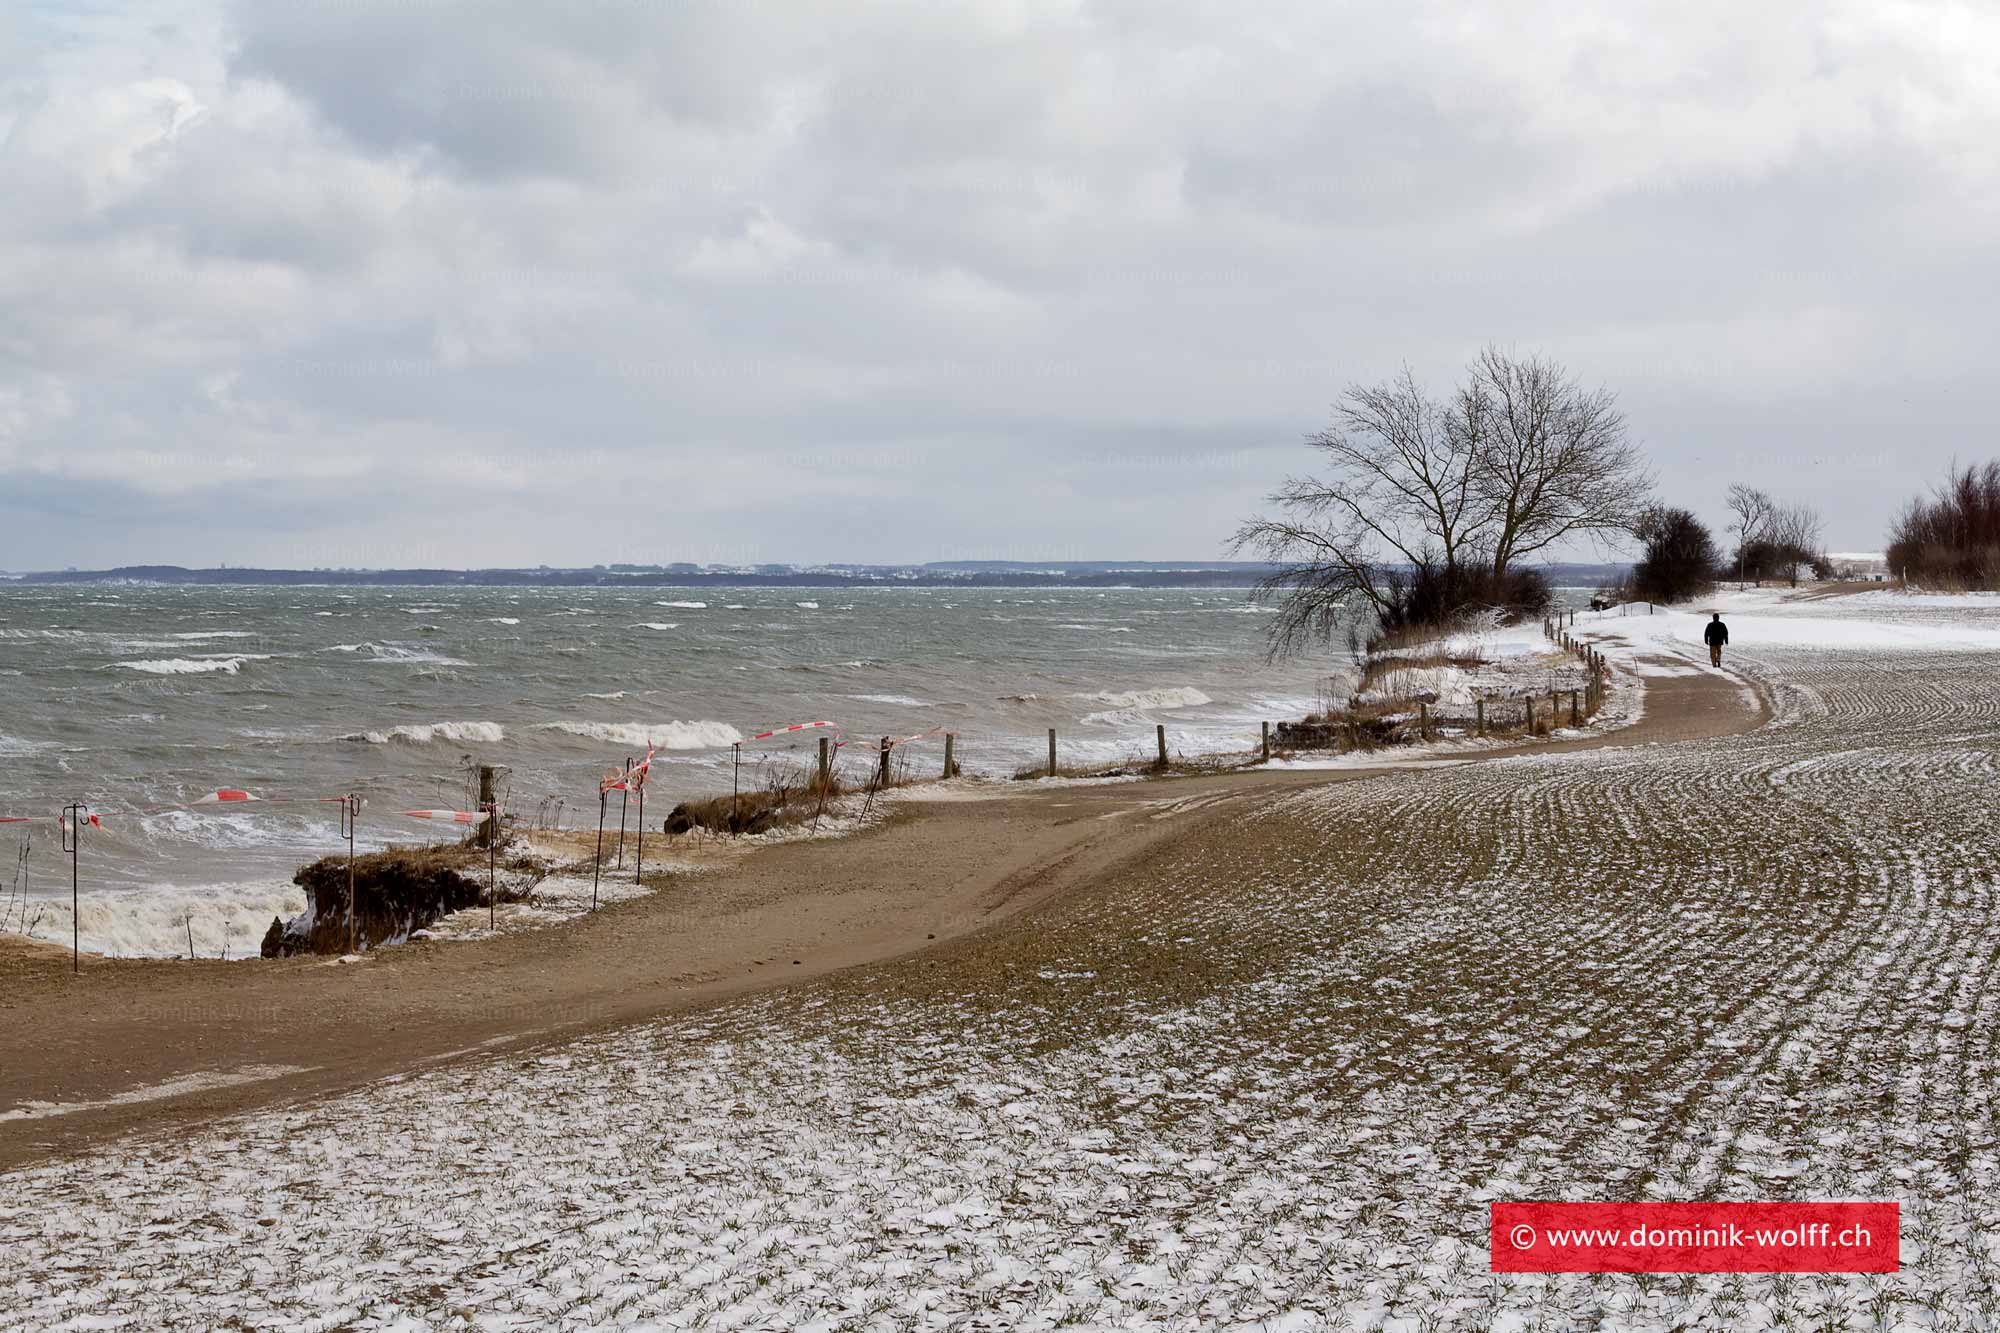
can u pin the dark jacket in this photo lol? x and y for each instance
(1716, 633)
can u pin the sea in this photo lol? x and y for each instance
(134, 698)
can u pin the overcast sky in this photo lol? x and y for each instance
(722, 280)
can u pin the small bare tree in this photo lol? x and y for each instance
(1753, 510)
(1795, 535)
(1553, 459)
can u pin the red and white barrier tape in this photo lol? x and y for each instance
(448, 816)
(786, 731)
(631, 779)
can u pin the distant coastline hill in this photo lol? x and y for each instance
(939, 574)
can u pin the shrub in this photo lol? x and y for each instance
(1952, 538)
(1435, 595)
(1679, 562)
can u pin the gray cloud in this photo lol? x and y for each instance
(609, 279)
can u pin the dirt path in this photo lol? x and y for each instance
(148, 1044)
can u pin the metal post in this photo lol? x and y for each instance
(597, 871)
(736, 783)
(350, 808)
(639, 860)
(825, 767)
(73, 816)
(492, 868)
(624, 804)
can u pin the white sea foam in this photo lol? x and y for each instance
(17, 746)
(215, 634)
(1118, 717)
(155, 922)
(193, 666)
(692, 606)
(810, 606)
(614, 694)
(655, 624)
(898, 700)
(423, 733)
(397, 653)
(503, 620)
(663, 735)
(1177, 696)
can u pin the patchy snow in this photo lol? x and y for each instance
(176, 1087)
(1273, 1082)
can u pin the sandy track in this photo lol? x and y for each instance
(130, 1044)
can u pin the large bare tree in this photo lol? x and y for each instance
(1554, 463)
(1518, 460)
(1400, 487)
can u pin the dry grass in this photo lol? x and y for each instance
(1146, 764)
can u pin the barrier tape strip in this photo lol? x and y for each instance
(785, 731)
(449, 816)
(623, 781)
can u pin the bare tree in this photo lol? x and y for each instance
(1795, 533)
(1553, 459)
(1425, 505)
(1400, 488)
(1753, 510)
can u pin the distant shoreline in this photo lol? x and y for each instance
(1094, 575)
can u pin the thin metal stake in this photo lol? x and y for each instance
(597, 871)
(350, 808)
(74, 815)
(624, 804)
(735, 784)
(492, 855)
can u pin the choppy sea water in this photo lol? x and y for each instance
(130, 697)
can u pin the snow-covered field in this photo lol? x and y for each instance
(1271, 1080)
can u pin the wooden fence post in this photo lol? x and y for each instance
(825, 762)
(490, 830)
(1267, 742)
(1052, 751)
(950, 765)
(1423, 720)
(1575, 715)
(1160, 734)
(1481, 706)
(882, 774)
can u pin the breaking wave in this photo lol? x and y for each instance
(398, 653)
(423, 733)
(703, 735)
(1178, 696)
(193, 666)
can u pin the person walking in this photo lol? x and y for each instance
(1715, 634)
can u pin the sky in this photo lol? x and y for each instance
(441, 283)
